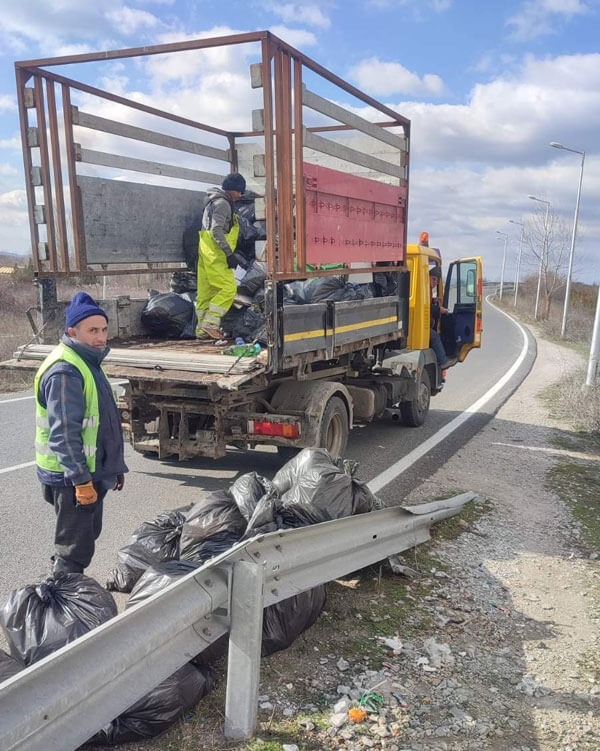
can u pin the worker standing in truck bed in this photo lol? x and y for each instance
(217, 257)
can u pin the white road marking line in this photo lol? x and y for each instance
(396, 469)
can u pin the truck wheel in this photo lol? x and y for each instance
(414, 412)
(333, 433)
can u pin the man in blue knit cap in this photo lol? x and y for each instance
(79, 441)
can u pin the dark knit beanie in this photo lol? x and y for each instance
(82, 306)
(234, 181)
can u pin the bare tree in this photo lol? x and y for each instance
(546, 239)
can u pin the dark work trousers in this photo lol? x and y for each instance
(77, 528)
(436, 345)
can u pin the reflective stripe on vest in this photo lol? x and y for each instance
(45, 458)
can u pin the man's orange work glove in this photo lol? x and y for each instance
(86, 493)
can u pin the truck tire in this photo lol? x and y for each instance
(415, 411)
(333, 431)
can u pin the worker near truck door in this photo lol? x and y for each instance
(79, 440)
(216, 285)
(436, 311)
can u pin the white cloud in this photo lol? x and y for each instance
(8, 103)
(299, 38)
(10, 143)
(542, 17)
(129, 20)
(309, 14)
(55, 23)
(13, 218)
(384, 78)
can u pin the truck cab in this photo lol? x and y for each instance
(461, 294)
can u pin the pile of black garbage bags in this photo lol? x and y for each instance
(39, 619)
(172, 315)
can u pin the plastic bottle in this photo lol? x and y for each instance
(242, 350)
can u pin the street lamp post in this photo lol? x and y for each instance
(503, 261)
(563, 330)
(543, 255)
(522, 226)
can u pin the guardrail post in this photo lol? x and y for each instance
(245, 637)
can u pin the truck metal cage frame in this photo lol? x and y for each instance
(299, 128)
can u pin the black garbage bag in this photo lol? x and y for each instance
(215, 514)
(247, 323)
(158, 710)
(9, 666)
(41, 618)
(151, 543)
(265, 517)
(253, 280)
(284, 621)
(315, 289)
(169, 316)
(183, 281)
(247, 491)
(190, 243)
(214, 545)
(157, 577)
(314, 488)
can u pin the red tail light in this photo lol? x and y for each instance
(266, 427)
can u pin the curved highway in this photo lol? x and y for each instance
(391, 458)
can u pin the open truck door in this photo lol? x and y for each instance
(463, 297)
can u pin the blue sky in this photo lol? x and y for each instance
(486, 84)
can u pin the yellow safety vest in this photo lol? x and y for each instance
(45, 458)
(231, 237)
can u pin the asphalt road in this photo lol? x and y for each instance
(152, 486)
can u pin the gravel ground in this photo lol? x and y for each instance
(509, 658)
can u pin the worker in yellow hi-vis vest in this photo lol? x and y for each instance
(79, 439)
(216, 285)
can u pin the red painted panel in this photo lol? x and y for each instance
(352, 219)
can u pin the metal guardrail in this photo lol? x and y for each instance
(61, 701)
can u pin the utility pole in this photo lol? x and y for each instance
(522, 226)
(563, 330)
(543, 256)
(503, 261)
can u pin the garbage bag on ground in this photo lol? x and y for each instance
(284, 621)
(157, 577)
(41, 618)
(169, 316)
(314, 488)
(151, 543)
(9, 666)
(247, 491)
(158, 709)
(215, 518)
